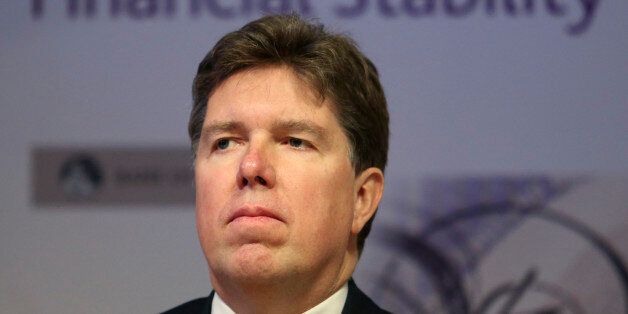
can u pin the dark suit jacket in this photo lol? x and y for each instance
(357, 302)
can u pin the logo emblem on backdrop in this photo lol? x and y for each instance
(112, 176)
(80, 176)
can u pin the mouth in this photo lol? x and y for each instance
(255, 212)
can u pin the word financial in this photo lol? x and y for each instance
(152, 9)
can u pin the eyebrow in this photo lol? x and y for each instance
(300, 126)
(215, 128)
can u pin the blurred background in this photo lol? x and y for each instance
(507, 184)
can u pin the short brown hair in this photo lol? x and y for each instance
(330, 63)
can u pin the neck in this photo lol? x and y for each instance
(295, 293)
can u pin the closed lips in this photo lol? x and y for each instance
(255, 211)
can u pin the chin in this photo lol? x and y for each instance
(252, 263)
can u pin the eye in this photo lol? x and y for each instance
(295, 142)
(223, 143)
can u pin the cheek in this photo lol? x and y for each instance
(213, 180)
(322, 197)
(211, 195)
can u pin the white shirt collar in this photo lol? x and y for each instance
(333, 304)
(219, 306)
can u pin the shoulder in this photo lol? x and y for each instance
(358, 302)
(197, 306)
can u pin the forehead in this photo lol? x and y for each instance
(268, 91)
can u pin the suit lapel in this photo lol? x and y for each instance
(358, 302)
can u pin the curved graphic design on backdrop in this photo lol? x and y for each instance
(449, 259)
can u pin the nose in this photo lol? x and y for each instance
(256, 169)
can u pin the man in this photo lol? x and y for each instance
(290, 134)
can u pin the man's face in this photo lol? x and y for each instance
(275, 188)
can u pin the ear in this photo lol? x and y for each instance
(369, 187)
